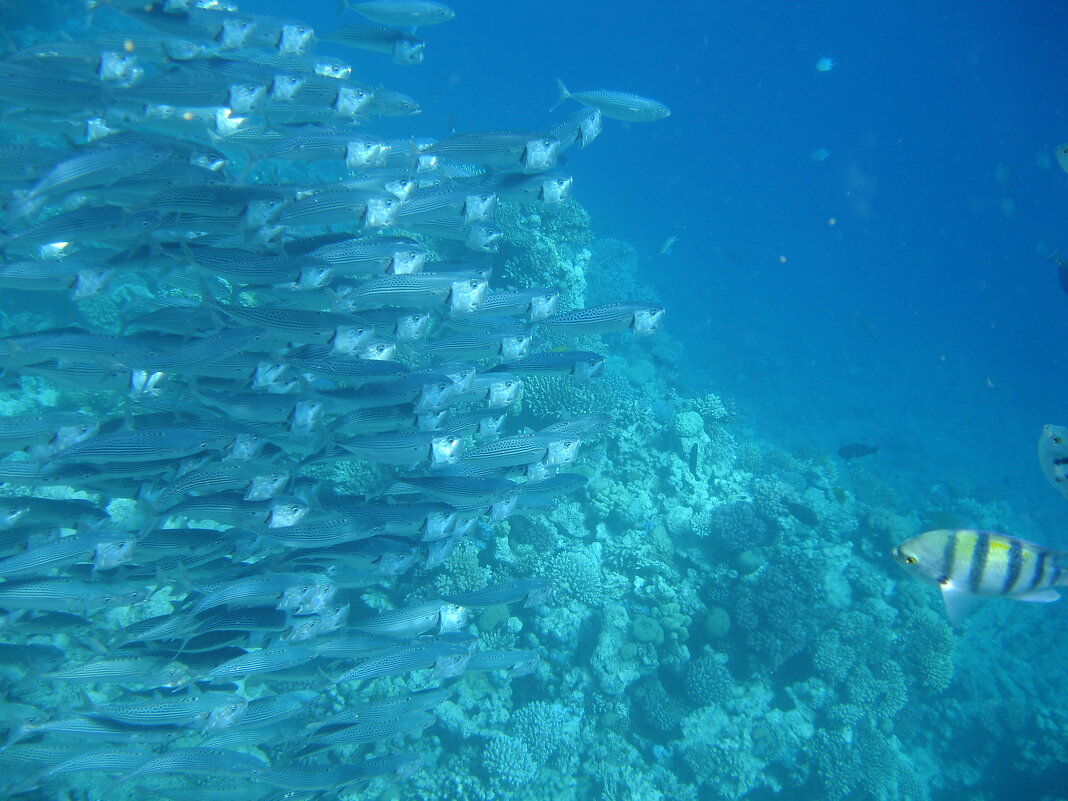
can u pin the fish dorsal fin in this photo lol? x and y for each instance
(958, 602)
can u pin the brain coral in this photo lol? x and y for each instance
(689, 425)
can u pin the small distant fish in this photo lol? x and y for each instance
(820, 154)
(825, 64)
(667, 245)
(617, 105)
(965, 563)
(855, 450)
(1053, 457)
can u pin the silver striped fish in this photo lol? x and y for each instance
(617, 105)
(639, 318)
(403, 13)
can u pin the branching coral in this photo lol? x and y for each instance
(508, 761)
(576, 575)
(544, 728)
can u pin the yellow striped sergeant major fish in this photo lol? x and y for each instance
(965, 563)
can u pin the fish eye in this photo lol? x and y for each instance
(910, 560)
(1057, 440)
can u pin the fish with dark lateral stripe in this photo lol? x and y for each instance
(581, 365)
(638, 318)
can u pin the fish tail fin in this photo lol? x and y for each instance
(148, 498)
(153, 516)
(210, 301)
(564, 94)
(17, 731)
(22, 206)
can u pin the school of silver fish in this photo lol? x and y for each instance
(221, 511)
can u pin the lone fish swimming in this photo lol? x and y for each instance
(966, 563)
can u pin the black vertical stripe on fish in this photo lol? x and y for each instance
(1040, 570)
(948, 554)
(1060, 464)
(978, 566)
(1012, 573)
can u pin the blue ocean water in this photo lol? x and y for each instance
(861, 257)
(900, 280)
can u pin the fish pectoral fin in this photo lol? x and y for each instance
(1039, 596)
(957, 602)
